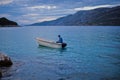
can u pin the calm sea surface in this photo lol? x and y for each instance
(93, 53)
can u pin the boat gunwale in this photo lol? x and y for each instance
(46, 41)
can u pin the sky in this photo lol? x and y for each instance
(32, 11)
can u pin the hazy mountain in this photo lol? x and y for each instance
(100, 16)
(5, 22)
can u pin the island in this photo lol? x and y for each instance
(4, 22)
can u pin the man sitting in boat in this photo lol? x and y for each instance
(60, 39)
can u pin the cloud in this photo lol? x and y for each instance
(34, 20)
(93, 7)
(4, 2)
(5, 15)
(34, 17)
(42, 7)
(23, 21)
(46, 19)
(31, 15)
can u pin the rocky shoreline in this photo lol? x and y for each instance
(5, 61)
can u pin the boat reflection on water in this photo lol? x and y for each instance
(49, 48)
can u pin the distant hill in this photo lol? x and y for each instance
(4, 22)
(100, 16)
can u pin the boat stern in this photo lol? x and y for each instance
(64, 45)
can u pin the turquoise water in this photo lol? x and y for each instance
(93, 53)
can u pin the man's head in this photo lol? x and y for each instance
(58, 35)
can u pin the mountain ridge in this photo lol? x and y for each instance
(95, 17)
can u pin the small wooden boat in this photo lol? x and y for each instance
(51, 44)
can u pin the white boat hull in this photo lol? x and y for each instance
(51, 44)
